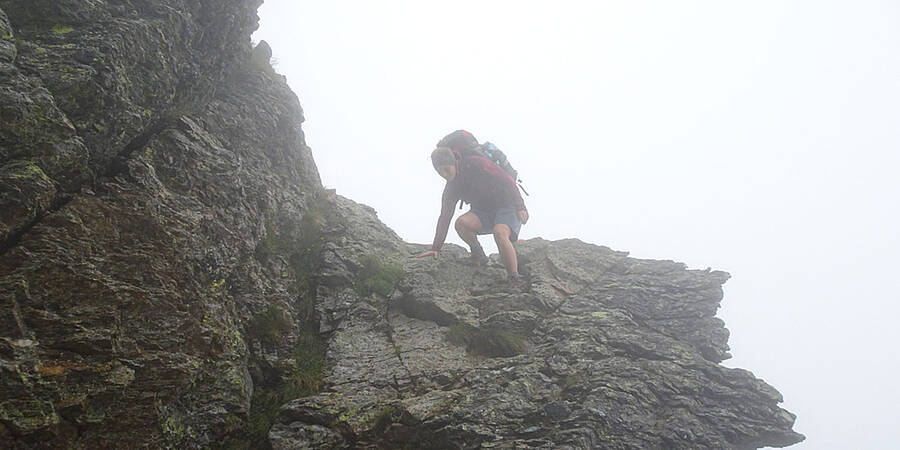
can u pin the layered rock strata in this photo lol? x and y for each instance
(596, 350)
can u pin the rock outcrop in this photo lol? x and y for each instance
(173, 275)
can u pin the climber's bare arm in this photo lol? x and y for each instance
(433, 253)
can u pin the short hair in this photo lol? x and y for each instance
(443, 156)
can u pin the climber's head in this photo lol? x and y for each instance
(444, 161)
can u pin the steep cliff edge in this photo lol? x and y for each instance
(173, 275)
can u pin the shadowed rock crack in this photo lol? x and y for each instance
(15, 237)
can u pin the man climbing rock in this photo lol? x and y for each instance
(497, 206)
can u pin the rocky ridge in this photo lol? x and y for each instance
(174, 275)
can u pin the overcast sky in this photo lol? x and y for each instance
(760, 138)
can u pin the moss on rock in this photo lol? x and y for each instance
(377, 277)
(62, 29)
(303, 379)
(27, 416)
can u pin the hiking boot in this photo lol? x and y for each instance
(478, 258)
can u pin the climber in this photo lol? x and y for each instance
(497, 206)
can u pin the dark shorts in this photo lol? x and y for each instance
(505, 215)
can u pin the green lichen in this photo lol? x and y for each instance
(217, 285)
(377, 277)
(231, 336)
(176, 432)
(8, 36)
(173, 426)
(349, 414)
(230, 364)
(27, 170)
(62, 29)
(28, 415)
(235, 377)
(599, 314)
(487, 342)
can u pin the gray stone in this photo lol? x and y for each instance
(174, 275)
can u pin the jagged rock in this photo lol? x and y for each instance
(262, 56)
(173, 275)
(613, 352)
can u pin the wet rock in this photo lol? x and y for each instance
(612, 348)
(174, 275)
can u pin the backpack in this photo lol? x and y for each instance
(467, 145)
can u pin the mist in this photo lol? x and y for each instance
(760, 139)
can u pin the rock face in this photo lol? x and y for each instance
(597, 350)
(173, 275)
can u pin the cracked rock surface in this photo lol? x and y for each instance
(174, 275)
(614, 352)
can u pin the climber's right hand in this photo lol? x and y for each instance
(429, 253)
